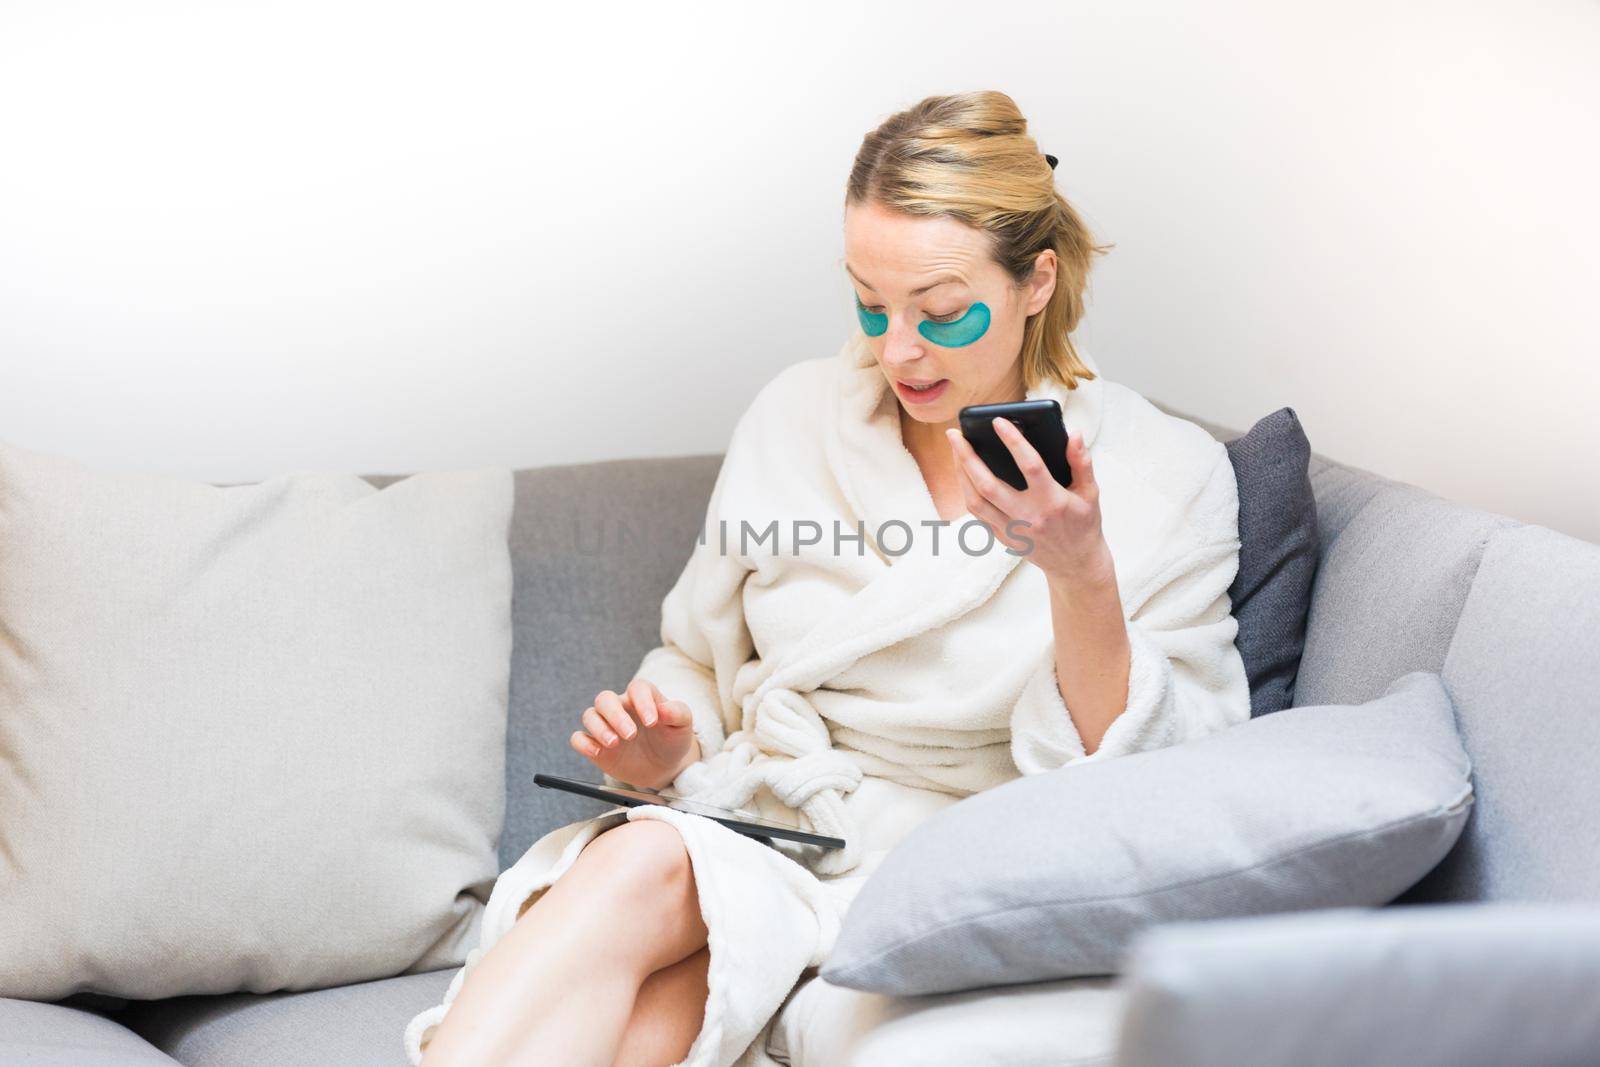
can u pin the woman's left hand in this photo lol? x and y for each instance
(1056, 527)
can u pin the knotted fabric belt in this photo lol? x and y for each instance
(786, 747)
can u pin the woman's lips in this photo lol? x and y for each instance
(921, 396)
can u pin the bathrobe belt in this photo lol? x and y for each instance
(779, 723)
(786, 747)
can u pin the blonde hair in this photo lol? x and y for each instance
(968, 156)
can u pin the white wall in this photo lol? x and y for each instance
(376, 236)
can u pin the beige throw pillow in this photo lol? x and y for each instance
(251, 737)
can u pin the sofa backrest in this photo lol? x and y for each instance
(594, 549)
(1394, 566)
(1509, 614)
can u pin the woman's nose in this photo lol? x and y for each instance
(901, 342)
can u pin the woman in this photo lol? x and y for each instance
(872, 627)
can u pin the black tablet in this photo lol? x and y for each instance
(744, 822)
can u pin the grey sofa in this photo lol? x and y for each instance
(1510, 613)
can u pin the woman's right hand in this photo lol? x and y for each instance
(639, 736)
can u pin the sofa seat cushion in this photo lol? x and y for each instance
(1064, 1023)
(54, 1035)
(353, 1026)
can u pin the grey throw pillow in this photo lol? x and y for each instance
(251, 738)
(1314, 807)
(1271, 594)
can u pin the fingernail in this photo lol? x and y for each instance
(611, 740)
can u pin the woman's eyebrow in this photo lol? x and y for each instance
(944, 279)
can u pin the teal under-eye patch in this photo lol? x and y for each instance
(965, 330)
(871, 325)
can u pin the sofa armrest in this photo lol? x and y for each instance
(1456, 985)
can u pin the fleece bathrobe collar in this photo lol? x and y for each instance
(881, 482)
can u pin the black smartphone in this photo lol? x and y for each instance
(1040, 422)
(745, 822)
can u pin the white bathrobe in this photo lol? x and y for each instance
(855, 687)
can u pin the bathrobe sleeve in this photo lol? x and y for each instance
(704, 642)
(1186, 677)
(704, 638)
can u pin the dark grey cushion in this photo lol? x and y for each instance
(1313, 807)
(1277, 555)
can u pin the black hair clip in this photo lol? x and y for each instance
(1052, 160)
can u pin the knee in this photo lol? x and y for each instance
(647, 854)
(641, 871)
(648, 850)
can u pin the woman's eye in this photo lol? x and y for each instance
(942, 320)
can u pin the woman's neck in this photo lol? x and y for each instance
(931, 450)
(928, 445)
(926, 440)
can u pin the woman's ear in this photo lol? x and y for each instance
(1042, 286)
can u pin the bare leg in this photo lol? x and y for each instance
(667, 1014)
(560, 986)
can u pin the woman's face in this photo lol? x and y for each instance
(943, 319)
